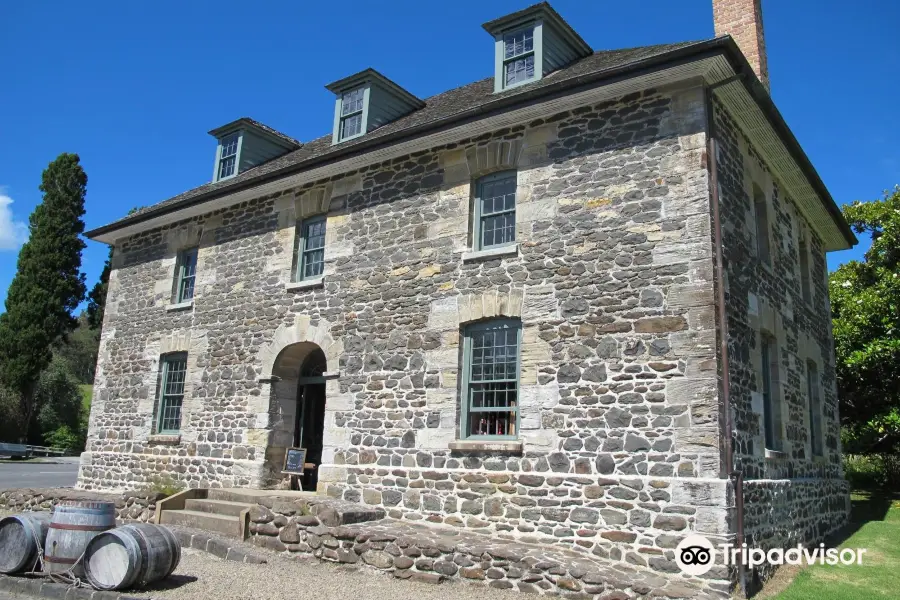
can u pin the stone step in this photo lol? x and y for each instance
(250, 496)
(217, 507)
(224, 524)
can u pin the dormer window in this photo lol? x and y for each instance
(227, 160)
(352, 104)
(518, 57)
(245, 143)
(366, 101)
(531, 44)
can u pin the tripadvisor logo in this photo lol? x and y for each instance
(696, 555)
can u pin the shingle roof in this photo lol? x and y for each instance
(283, 137)
(439, 108)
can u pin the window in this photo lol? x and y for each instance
(490, 406)
(815, 409)
(310, 252)
(804, 272)
(173, 368)
(769, 375)
(228, 157)
(518, 57)
(495, 211)
(762, 225)
(352, 113)
(185, 271)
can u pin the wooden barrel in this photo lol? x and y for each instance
(131, 556)
(73, 525)
(21, 537)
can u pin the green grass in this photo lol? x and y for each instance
(878, 520)
(86, 391)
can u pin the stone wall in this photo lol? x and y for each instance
(341, 532)
(611, 278)
(130, 506)
(792, 496)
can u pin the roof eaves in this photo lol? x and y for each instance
(762, 97)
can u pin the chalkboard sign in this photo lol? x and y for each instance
(294, 460)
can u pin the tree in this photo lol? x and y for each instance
(48, 284)
(97, 297)
(865, 302)
(60, 400)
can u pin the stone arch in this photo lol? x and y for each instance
(498, 155)
(489, 305)
(297, 339)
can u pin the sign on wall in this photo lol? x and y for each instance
(294, 460)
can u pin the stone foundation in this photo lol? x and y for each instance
(324, 528)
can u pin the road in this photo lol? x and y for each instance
(38, 475)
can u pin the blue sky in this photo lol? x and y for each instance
(133, 87)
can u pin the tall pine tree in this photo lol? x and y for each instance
(48, 284)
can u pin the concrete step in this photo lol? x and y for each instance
(249, 496)
(224, 524)
(217, 507)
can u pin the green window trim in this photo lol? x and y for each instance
(185, 275)
(309, 249)
(815, 409)
(352, 105)
(768, 353)
(494, 221)
(172, 376)
(518, 55)
(482, 385)
(228, 156)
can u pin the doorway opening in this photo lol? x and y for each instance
(309, 424)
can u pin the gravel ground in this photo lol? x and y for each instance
(202, 576)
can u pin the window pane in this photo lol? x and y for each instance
(314, 235)
(352, 102)
(313, 263)
(499, 230)
(229, 145)
(351, 126)
(520, 69)
(174, 373)
(226, 167)
(518, 43)
(187, 268)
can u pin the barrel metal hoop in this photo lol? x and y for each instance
(72, 527)
(60, 559)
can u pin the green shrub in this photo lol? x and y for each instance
(873, 471)
(165, 484)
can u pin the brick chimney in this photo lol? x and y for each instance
(742, 20)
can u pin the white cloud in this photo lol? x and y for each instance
(12, 233)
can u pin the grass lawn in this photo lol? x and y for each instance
(86, 391)
(876, 522)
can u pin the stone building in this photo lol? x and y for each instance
(582, 301)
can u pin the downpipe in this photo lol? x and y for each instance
(736, 476)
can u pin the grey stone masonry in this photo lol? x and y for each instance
(793, 495)
(611, 276)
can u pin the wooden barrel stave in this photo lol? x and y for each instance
(131, 556)
(73, 525)
(20, 536)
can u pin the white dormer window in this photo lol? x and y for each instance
(518, 57)
(530, 44)
(228, 157)
(352, 104)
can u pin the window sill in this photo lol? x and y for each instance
(167, 439)
(775, 454)
(305, 284)
(501, 252)
(180, 306)
(511, 446)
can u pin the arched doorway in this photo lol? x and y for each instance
(297, 414)
(309, 426)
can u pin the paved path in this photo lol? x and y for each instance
(38, 475)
